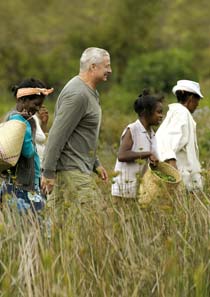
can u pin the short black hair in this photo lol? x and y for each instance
(182, 95)
(146, 103)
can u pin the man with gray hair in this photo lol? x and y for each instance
(70, 154)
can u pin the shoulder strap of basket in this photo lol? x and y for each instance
(30, 120)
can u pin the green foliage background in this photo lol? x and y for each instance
(46, 38)
(152, 44)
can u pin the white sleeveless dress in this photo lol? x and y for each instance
(126, 182)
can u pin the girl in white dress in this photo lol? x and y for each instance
(137, 145)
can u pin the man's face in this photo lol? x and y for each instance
(102, 70)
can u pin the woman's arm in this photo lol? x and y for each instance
(125, 153)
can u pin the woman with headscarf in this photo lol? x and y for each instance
(21, 182)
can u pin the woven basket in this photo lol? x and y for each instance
(11, 140)
(154, 189)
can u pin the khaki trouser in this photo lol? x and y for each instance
(74, 187)
(74, 197)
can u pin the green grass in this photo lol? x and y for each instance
(113, 249)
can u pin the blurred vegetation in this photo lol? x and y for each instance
(159, 70)
(152, 44)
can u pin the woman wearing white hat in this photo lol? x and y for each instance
(176, 136)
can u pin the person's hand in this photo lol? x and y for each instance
(153, 160)
(47, 185)
(101, 171)
(43, 117)
(172, 162)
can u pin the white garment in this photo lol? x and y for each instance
(176, 138)
(40, 139)
(125, 184)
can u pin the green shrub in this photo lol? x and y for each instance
(159, 70)
(119, 99)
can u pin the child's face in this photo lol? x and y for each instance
(157, 115)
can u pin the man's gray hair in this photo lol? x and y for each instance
(92, 55)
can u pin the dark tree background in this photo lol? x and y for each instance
(151, 42)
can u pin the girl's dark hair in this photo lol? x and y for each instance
(28, 83)
(146, 103)
(182, 95)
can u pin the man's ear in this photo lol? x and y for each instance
(92, 66)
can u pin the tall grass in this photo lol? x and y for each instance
(113, 249)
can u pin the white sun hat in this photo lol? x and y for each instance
(187, 85)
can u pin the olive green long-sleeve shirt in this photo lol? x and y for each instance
(73, 137)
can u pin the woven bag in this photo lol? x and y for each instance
(154, 189)
(11, 140)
